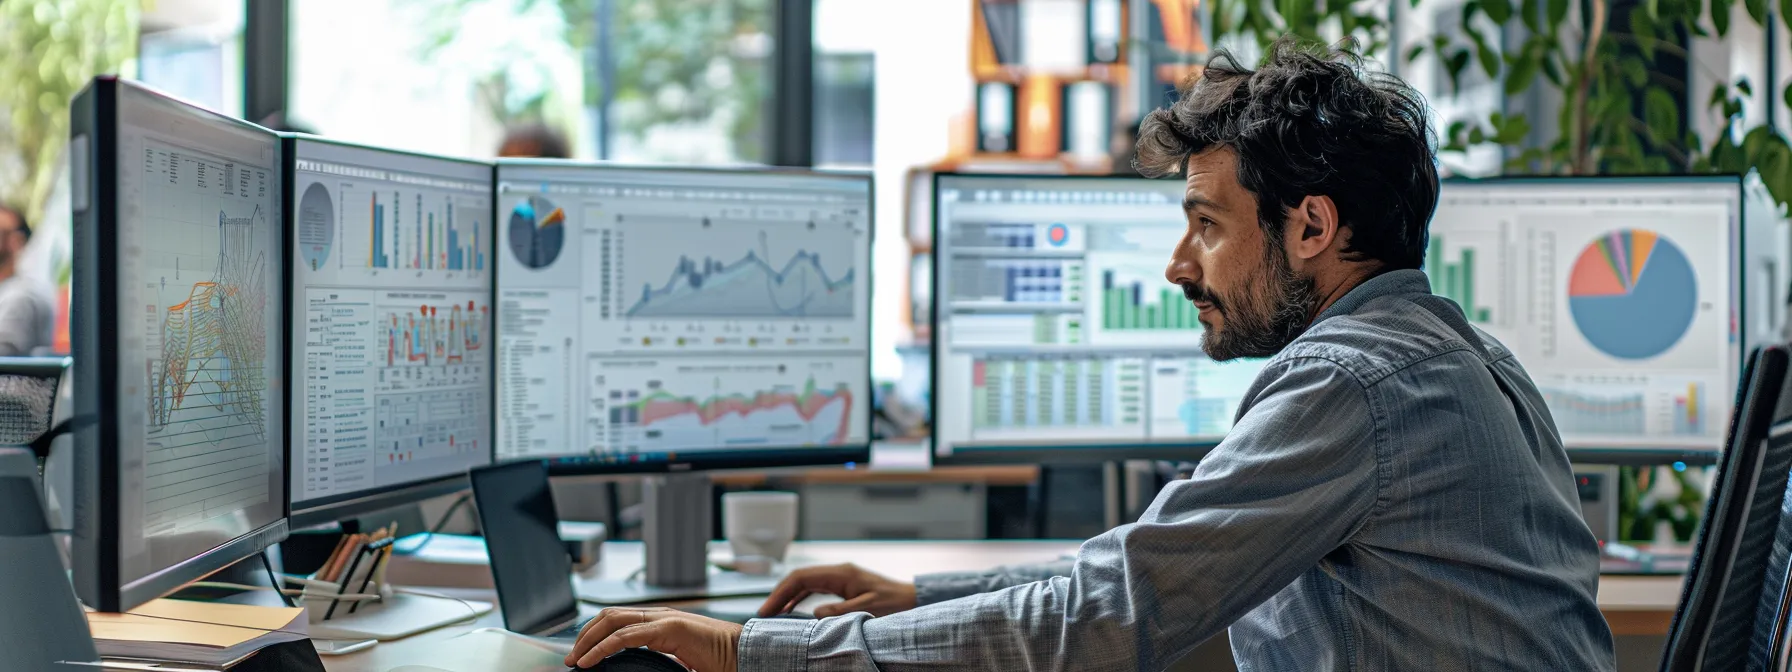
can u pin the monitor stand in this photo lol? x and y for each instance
(676, 528)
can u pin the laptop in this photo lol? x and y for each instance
(530, 568)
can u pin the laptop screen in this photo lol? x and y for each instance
(530, 568)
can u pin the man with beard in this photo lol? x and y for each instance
(1393, 496)
(27, 316)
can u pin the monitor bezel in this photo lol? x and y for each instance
(339, 507)
(1079, 452)
(95, 548)
(706, 460)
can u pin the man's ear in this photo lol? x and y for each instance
(1312, 227)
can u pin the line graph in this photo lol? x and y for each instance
(749, 287)
(718, 404)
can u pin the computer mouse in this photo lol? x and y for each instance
(635, 660)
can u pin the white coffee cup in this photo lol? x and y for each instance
(759, 526)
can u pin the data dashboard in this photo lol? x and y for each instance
(1055, 326)
(392, 319)
(653, 315)
(1621, 298)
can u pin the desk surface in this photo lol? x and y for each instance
(1634, 605)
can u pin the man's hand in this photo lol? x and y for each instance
(863, 591)
(702, 644)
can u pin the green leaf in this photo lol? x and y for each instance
(1644, 29)
(1522, 72)
(1752, 144)
(1476, 136)
(1499, 10)
(1558, 12)
(1775, 166)
(1786, 15)
(1788, 97)
(1415, 52)
(1719, 94)
(1661, 114)
(1653, 7)
(1635, 72)
(1454, 66)
(1513, 131)
(1551, 70)
(1743, 86)
(1757, 10)
(1720, 15)
(1532, 13)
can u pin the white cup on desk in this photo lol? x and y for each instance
(759, 527)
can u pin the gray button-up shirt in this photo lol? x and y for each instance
(1394, 496)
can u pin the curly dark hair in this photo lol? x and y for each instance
(1311, 121)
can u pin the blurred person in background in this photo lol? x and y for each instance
(27, 315)
(534, 141)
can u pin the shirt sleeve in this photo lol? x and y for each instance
(1296, 477)
(931, 588)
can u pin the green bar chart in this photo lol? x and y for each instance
(1131, 307)
(1455, 279)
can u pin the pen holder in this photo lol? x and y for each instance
(320, 596)
(363, 584)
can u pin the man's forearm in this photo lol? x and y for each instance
(932, 588)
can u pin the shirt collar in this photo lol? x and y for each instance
(1404, 281)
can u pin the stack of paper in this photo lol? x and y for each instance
(204, 633)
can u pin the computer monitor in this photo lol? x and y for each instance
(179, 340)
(660, 319)
(391, 326)
(1056, 335)
(1622, 297)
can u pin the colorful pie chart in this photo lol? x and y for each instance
(1632, 294)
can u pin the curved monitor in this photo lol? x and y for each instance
(391, 326)
(667, 319)
(179, 335)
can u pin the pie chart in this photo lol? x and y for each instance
(317, 225)
(537, 230)
(1632, 293)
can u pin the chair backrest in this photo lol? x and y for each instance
(1721, 596)
(1768, 646)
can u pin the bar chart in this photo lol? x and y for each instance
(1133, 304)
(1689, 411)
(1455, 279)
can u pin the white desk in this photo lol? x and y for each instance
(1633, 605)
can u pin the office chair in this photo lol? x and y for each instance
(28, 395)
(1768, 643)
(1721, 597)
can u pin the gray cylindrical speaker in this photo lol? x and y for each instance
(676, 529)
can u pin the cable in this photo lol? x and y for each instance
(443, 522)
(274, 579)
